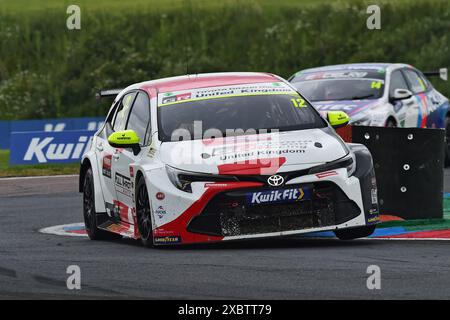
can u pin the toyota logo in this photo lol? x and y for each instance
(275, 180)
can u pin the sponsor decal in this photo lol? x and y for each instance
(123, 184)
(275, 180)
(278, 196)
(259, 153)
(261, 148)
(151, 153)
(167, 240)
(106, 167)
(160, 195)
(175, 98)
(337, 74)
(160, 212)
(373, 193)
(47, 147)
(163, 233)
(224, 92)
(216, 185)
(373, 219)
(326, 174)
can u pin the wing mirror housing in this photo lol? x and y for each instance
(125, 139)
(401, 94)
(337, 119)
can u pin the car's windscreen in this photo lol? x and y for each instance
(340, 85)
(341, 89)
(234, 115)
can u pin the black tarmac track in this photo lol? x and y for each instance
(33, 265)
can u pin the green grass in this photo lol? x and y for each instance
(34, 170)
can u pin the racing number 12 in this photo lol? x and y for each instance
(298, 103)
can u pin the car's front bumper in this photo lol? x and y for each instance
(219, 211)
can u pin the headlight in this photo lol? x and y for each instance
(362, 120)
(183, 179)
(347, 162)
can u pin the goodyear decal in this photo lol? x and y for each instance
(167, 240)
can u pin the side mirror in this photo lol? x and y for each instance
(337, 119)
(125, 139)
(401, 94)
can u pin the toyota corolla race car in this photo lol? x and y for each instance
(377, 94)
(223, 156)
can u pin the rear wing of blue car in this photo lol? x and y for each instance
(107, 93)
(442, 73)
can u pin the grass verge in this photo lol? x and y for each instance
(34, 170)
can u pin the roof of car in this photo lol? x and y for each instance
(204, 80)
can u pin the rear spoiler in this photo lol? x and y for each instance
(442, 73)
(107, 93)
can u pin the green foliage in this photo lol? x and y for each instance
(49, 71)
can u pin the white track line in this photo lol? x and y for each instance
(41, 177)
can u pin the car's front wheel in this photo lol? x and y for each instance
(354, 233)
(143, 213)
(89, 214)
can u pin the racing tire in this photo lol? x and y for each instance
(355, 233)
(89, 213)
(447, 141)
(143, 214)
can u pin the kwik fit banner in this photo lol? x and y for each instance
(49, 125)
(39, 147)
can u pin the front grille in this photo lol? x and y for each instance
(230, 214)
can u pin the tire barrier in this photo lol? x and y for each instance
(409, 166)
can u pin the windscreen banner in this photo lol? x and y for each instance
(48, 125)
(41, 147)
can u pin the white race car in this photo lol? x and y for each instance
(223, 156)
(378, 94)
